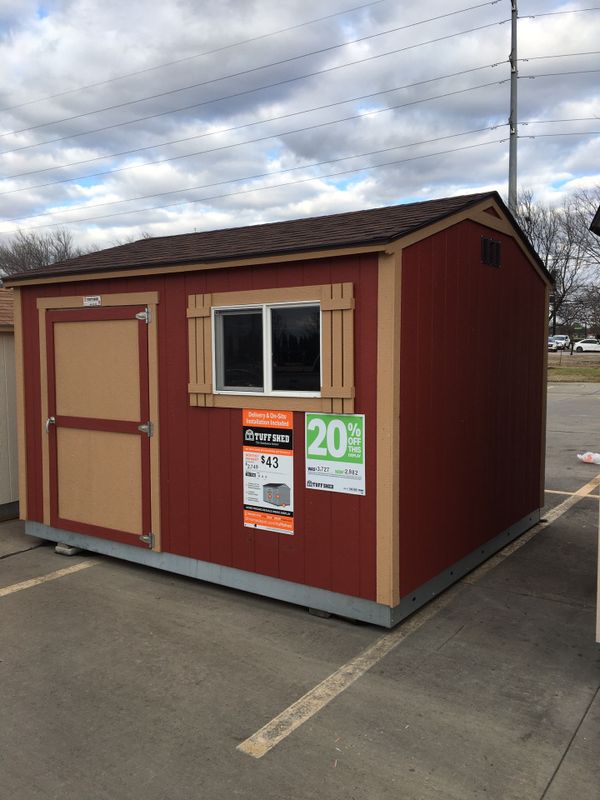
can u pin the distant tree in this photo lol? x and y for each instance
(31, 250)
(562, 239)
(584, 311)
(586, 203)
(133, 238)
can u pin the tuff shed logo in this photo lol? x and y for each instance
(269, 437)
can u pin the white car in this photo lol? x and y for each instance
(552, 345)
(562, 341)
(585, 345)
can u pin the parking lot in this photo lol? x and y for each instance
(122, 682)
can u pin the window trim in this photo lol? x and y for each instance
(337, 347)
(265, 309)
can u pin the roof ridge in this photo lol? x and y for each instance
(347, 229)
(337, 214)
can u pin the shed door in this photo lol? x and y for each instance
(98, 397)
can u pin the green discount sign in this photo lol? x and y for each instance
(335, 452)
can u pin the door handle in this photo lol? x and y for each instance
(50, 421)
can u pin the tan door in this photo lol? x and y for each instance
(98, 424)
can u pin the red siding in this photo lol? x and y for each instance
(471, 383)
(201, 451)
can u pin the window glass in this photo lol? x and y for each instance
(295, 345)
(240, 350)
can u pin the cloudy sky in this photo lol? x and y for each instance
(125, 118)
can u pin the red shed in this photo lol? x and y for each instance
(345, 412)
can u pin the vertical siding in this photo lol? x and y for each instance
(9, 489)
(472, 356)
(201, 448)
(33, 411)
(334, 542)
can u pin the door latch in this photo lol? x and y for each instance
(147, 538)
(50, 421)
(144, 316)
(147, 428)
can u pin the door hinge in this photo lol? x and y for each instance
(147, 428)
(144, 316)
(147, 538)
(50, 421)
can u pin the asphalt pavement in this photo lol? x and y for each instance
(119, 682)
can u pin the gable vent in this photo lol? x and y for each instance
(490, 252)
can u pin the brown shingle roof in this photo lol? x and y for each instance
(6, 307)
(375, 226)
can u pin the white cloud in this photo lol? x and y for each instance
(54, 47)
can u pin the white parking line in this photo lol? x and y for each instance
(281, 726)
(570, 494)
(312, 702)
(550, 517)
(560, 509)
(51, 576)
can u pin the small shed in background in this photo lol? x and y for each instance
(9, 492)
(385, 368)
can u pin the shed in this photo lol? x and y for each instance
(9, 491)
(387, 367)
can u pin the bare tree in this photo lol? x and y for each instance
(133, 237)
(562, 239)
(586, 204)
(583, 313)
(31, 250)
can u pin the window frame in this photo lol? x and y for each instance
(265, 309)
(337, 347)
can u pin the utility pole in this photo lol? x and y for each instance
(512, 120)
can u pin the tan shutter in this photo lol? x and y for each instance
(200, 350)
(337, 310)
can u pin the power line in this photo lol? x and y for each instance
(289, 183)
(236, 44)
(325, 124)
(560, 55)
(549, 121)
(226, 130)
(203, 83)
(556, 13)
(212, 80)
(260, 175)
(558, 74)
(273, 186)
(569, 133)
(245, 72)
(126, 75)
(228, 97)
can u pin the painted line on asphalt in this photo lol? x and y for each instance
(281, 726)
(570, 494)
(551, 516)
(51, 576)
(560, 509)
(316, 699)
